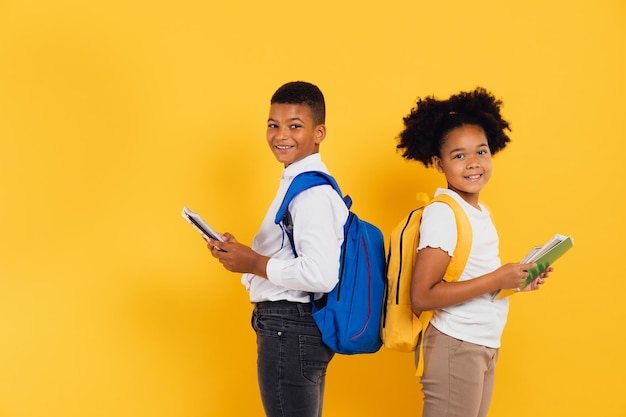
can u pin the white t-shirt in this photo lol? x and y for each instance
(318, 216)
(479, 320)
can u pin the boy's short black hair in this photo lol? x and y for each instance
(301, 92)
(431, 119)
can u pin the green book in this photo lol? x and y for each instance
(543, 256)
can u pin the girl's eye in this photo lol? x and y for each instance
(458, 156)
(272, 126)
(483, 152)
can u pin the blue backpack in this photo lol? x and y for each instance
(349, 317)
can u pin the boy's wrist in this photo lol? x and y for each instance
(260, 266)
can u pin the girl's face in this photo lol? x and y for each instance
(465, 161)
(292, 133)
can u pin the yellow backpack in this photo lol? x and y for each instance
(401, 326)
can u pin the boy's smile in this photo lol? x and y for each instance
(292, 133)
(465, 161)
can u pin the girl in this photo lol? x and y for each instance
(458, 136)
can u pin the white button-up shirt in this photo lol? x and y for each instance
(318, 216)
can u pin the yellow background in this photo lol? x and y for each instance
(115, 114)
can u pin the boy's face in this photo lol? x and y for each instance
(465, 161)
(292, 132)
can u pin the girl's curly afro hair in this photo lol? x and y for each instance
(431, 119)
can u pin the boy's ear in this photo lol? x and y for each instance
(320, 133)
(437, 164)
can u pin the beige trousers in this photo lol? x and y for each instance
(458, 376)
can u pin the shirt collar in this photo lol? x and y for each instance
(310, 163)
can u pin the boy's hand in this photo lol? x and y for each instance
(215, 246)
(236, 257)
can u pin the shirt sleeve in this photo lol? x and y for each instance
(438, 228)
(318, 216)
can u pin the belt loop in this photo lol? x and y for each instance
(301, 309)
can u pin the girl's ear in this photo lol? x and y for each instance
(437, 164)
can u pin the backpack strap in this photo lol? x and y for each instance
(463, 239)
(301, 182)
(456, 265)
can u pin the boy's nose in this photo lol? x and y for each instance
(283, 133)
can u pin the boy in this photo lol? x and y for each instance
(292, 360)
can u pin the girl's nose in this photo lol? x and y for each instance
(472, 162)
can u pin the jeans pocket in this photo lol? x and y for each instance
(314, 357)
(268, 325)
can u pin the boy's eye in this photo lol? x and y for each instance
(295, 126)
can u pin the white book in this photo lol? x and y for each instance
(200, 225)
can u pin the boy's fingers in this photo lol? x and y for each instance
(228, 237)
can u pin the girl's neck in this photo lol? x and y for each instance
(470, 198)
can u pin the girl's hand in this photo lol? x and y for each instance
(541, 279)
(512, 275)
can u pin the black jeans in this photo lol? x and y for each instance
(292, 359)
